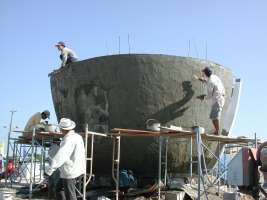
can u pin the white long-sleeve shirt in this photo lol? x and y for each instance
(67, 53)
(70, 158)
(215, 89)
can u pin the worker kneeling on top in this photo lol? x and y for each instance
(70, 159)
(37, 121)
(67, 55)
(215, 92)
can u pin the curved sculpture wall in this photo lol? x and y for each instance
(123, 91)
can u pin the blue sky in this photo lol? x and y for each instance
(235, 31)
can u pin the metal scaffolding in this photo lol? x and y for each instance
(40, 141)
(25, 150)
(28, 152)
(198, 134)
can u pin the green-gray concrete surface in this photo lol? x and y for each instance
(123, 91)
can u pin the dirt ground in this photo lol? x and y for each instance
(42, 195)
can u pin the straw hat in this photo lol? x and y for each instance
(66, 124)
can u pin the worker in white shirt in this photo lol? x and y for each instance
(215, 92)
(67, 55)
(70, 159)
(37, 121)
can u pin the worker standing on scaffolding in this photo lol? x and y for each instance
(67, 55)
(70, 159)
(215, 92)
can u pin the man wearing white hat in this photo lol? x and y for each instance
(70, 159)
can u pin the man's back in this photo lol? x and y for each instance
(34, 120)
(69, 52)
(70, 157)
(67, 56)
(215, 87)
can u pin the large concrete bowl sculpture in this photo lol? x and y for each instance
(123, 91)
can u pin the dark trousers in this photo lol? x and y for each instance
(69, 59)
(65, 189)
(52, 184)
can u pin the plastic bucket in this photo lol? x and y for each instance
(152, 125)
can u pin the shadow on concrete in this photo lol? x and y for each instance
(92, 107)
(176, 109)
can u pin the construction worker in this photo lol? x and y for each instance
(37, 121)
(67, 55)
(215, 92)
(70, 159)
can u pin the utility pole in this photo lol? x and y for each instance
(8, 141)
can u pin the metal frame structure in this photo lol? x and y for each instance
(38, 140)
(116, 163)
(197, 134)
(32, 144)
(86, 180)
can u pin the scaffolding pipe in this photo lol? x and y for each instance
(113, 159)
(84, 175)
(116, 140)
(166, 161)
(14, 152)
(42, 159)
(191, 159)
(118, 168)
(159, 168)
(34, 164)
(91, 159)
(32, 157)
(199, 130)
(199, 161)
(219, 167)
(8, 142)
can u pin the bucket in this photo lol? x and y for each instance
(52, 128)
(153, 125)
